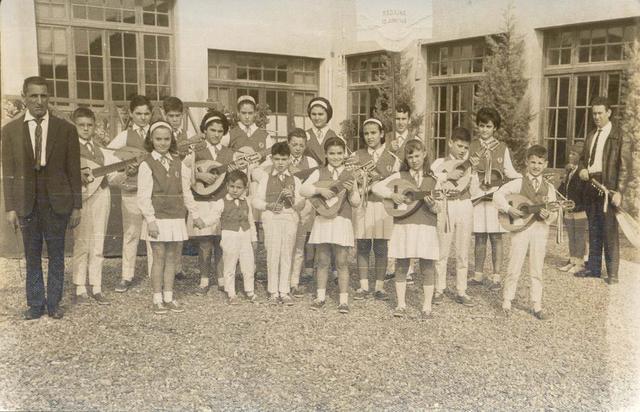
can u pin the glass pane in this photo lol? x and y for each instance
(46, 66)
(271, 100)
(563, 98)
(594, 87)
(95, 43)
(162, 6)
(562, 122)
(115, 44)
(129, 45)
(613, 88)
(96, 69)
(567, 39)
(581, 92)
(130, 91)
(45, 43)
(80, 41)
(117, 73)
(282, 77)
(550, 151)
(60, 41)
(149, 47)
(95, 13)
(598, 36)
(224, 72)
(553, 40)
(565, 56)
(629, 33)
(163, 47)
(282, 102)
(148, 5)
(254, 74)
(129, 16)
(130, 71)
(61, 71)
(151, 92)
(269, 75)
(310, 78)
(82, 67)
(150, 75)
(117, 91)
(551, 124)
(163, 20)
(298, 78)
(213, 94)
(614, 52)
(444, 68)
(79, 12)
(443, 99)
(213, 73)
(597, 53)
(455, 98)
(62, 89)
(58, 11)
(614, 35)
(163, 73)
(560, 153)
(553, 57)
(298, 105)
(442, 124)
(580, 123)
(241, 73)
(583, 54)
(585, 37)
(112, 15)
(149, 19)
(164, 91)
(83, 90)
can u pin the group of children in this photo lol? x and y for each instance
(313, 198)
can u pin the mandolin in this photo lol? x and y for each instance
(130, 184)
(463, 182)
(95, 173)
(531, 211)
(413, 195)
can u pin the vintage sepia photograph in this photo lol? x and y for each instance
(328, 205)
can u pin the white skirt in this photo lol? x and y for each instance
(338, 231)
(373, 222)
(171, 230)
(414, 241)
(485, 218)
(202, 209)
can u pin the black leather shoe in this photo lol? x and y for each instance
(56, 313)
(33, 313)
(180, 276)
(585, 273)
(611, 280)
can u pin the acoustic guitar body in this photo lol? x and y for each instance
(90, 188)
(407, 189)
(524, 205)
(329, 208)
(125, 153)
(213, 167)
(449, 166)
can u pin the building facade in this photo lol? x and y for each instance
(284, 52)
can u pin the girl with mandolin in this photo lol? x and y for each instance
(411, 193)
(373, 226)
(209, 167)
(492, 160)
(333, 191)
(539, 205)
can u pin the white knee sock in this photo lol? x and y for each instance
(428, 296)
(364, 284)
(157, 298)
(401, 289)
(379, 285)
(204, 282)
(168, 296)
(81, 289)
(344, 298)
(322, 294)
(96, 289)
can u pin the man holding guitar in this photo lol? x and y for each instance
(600, 161)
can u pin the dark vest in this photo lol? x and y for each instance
(225, 156)
(235, 217)
(384, 167)
(166, 198)
(315, 149)
(97, 156)
(345, 209)
(304, 163)
(497, 155)
(423, 215)
(400, 152)
(238, 138)
(527, 191)
(134, 139)
(275, 187)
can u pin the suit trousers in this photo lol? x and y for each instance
(236, 246)
(88, 238)
(603, 234)
(532, 240)
(44, 224)
(460, 214)
(131, 228)
(279, 240)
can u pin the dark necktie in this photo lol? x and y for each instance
(38, 148)
(592, 156)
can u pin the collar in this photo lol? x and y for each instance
(85, 141)
(532, 178)
(323, 129)
(338, 169)
(489, 141)
(285, 173)
(252, 127)
(177, 131)
(29, 117)
(158, 156)
(145, 129)
(377, 151)
(218, 146)
(607, 128)
(403, 135)
(228, 197)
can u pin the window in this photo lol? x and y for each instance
(581, 63)
(366, 69)
(455, 70)
(283, 83)
(110, 58)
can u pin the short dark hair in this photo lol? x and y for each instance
(222, 120)
(460, 133)
(148, 143)
(601, 101)
(415, 145)
(236, 175)
(537, 151)
(83, 112)
(333, 141)
(172, 104)
(35, 80)
(403, 108)
(280, 148)
(139, 100)
(488, 114)
(297, 132)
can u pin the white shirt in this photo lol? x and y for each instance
(259, 201)
(596, 167)
(375, 153)
(31, 122)
(514, 186)
(252, 128)
(402, 137)
(120, 140)
(321, 133)
(214, 150)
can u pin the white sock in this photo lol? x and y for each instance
(478, 276)
(81, 289)
(537, 306)
(401, 290)
(364, 284)
(168, 296)
(428, 296)
(344, 298)
(496, 278)
(506, 304)
(204, 282)
(322, 294)
(221, 282)
(96, 289)
(157, 298)
(379, 285)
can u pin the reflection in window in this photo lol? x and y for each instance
(156, 67)
(118, 11)
(89, 64)
(52, 56)
(124, 66)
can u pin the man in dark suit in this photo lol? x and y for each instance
(600, 161)
(42, 191)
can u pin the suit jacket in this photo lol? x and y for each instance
(610, 156)
(61, 174)
(574, 189)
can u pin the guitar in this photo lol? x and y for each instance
(414, 196)
(195, 143)
(95, 173)
(630, 226)
(530, 210)
(130, 184)
(463, 182)
(249, 155)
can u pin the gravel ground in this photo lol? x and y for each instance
(260, 357)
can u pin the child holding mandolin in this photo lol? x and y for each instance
(455, 176)
(492, 160)
(214, 156)
(334, 189)
(539, 197)
(373, 225)
(414, 232)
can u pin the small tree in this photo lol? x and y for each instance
(504, 87)
(630, 169)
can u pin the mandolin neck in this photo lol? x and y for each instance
(114, 167)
